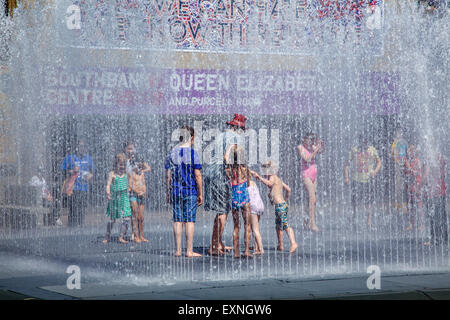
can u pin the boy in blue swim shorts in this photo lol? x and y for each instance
(277, 188)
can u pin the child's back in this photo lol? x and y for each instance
(276, 191)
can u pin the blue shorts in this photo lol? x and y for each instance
(184, 209)
(135, 198)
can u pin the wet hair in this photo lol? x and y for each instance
(311, 136)
(270, 167)
(119, 159)
(363, 142)
(237, 159)
(126, 143)
(186, 133)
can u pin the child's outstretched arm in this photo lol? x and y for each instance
(108, 184)
(268, 182)
(146, 167)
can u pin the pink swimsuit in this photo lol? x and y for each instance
(309, 169)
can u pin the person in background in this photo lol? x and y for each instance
(118, 199)
(414, 184)
(129, 150)
(399, 147)
(138, 192)
(435, 168)
(184, 189)
(48, 201)
(307, 151)
(78, 163)
(363, 164)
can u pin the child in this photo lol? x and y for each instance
(137, 195)
(256, 210)
(238, 172)
(117, 193)
(277, 186)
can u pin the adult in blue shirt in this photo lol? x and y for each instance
(184, 189)
(78, 162)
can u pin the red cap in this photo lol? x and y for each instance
(238, 121)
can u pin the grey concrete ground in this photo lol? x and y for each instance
(40, 278)
(331, 264)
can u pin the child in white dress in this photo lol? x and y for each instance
(257, 210)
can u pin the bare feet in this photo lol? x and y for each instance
(427, 244)
(226, 248)
(105, 241)
(280, 248)
(237, 255)
(215, 252)
(122, 240)
(257, 252)
(177, 253)
(193, 255)
(409, 228)
(137, 240)
(294, 247)
(314, 228)
(247, 254)
(143, 239)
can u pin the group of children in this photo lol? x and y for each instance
(247, 201)
(126, 191)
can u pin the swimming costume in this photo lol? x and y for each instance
(309, 169)
(281, 217)
(135, 197)
(240, 195)
(256, 203)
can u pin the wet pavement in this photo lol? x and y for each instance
(330, 264)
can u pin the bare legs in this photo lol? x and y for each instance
(189, 230)
(217, 246)
(140, 223)
(177, 230)
(254, 219)
(189, 234)
(236, 231)
(290, 234)
(134, 226)
(123, 229)
(311, 190)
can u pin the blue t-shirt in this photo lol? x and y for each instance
(183, 162)
(86, 166)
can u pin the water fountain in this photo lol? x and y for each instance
(104, 71)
